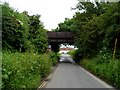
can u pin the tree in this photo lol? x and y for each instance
(96, 27)
(37, 34)
(22, 32)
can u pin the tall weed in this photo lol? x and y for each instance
(107, 69)
(24, 70)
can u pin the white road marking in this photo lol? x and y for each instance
(42, 85)
(46, 81)
(101, 81)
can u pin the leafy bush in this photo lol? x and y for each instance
(108, 71)
(97, 27)
(24, 70)
(75, 55)
(21, 31)
(54, 58)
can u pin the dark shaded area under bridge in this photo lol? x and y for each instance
(57, 38)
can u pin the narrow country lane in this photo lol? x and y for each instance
(70, 75)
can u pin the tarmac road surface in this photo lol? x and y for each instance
(70, 75)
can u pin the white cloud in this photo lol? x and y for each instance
(52, 11)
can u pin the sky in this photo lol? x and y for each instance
(52, 11)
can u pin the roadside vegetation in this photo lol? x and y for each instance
(75, 55)
(104, 67)
(97, 30)
(101, 65)
(25, 70)
(24, 42)
(25, 59)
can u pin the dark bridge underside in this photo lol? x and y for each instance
(60, 37)
(56, 38)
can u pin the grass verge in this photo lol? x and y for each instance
(108, 71)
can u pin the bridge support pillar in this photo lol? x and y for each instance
(55, 47)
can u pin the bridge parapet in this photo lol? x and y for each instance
(63, 37)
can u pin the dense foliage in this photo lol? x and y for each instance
(105, 68)
(25, 70)
(97, 28)
(76, 56)
(25, 60)
(22, 32)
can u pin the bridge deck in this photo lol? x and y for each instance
(64, 37)
(57, 35)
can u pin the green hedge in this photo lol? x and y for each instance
(54, 58)
(75, 55)
(24, 70)
(109, 71)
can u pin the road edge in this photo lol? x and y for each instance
(44, 82)
(97, 78)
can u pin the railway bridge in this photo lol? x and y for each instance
(57, 38)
